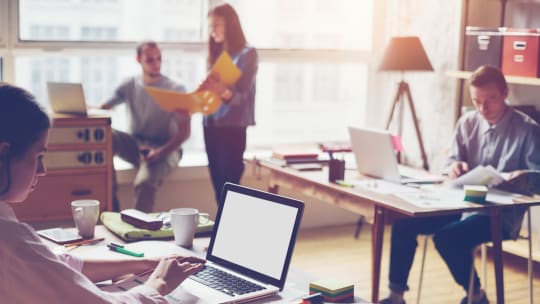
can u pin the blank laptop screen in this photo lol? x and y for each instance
(254, 233)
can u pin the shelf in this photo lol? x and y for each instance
(509, 79)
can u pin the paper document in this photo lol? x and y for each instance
(441, 198)
(205, 102)
(481, 175)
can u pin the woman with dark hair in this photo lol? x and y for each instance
(30, 272)
(225, 130)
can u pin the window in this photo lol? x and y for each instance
(312, 79)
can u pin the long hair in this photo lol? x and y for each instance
(235, 39)
(22, 122)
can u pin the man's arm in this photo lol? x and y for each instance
(183, 123)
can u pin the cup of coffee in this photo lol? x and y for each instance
(85, 215)
(184, 222)
(336, 170)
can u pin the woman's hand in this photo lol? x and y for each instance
(213, 83)
(171, 271)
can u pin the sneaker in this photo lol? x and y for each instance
(483, 300)
(388, 301)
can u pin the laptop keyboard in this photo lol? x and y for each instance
(224, 281)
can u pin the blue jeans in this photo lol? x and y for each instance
(454, 239)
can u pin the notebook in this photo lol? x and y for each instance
(253, 240)
(374, 153)
(66, 98)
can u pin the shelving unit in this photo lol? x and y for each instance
(497, 13)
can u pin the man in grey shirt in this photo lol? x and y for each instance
(153, 141)
(497, 135)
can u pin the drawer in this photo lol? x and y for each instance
(77, 135)
(52, 198)
(76, 159)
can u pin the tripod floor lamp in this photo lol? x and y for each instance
(406, 54)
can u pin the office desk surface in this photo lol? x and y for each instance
(375, 206)
(296, 287)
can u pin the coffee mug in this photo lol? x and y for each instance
(85, 214)
(184, 222)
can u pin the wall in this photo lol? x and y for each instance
(437, 24)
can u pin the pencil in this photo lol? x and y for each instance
(84, 242)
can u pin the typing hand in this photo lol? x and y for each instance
(457, 169)
(170, 272)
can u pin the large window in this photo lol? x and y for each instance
(313, 55)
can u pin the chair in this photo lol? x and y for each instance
(484, 268)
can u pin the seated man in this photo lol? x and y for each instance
(153, 142)
(495, 134)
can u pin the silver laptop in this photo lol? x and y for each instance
(250, 249)
(375, 156)
(66, 98)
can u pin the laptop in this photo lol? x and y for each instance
(250, 249)
(66, 98)
(375, 156)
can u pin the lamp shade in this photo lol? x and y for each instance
(405, 54)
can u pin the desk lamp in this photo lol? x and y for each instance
(406, 54)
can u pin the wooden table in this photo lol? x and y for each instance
(375, 207)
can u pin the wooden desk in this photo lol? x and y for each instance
(375, 206)
(297, 284)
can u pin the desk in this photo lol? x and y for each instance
(297, 284)
(375, 207)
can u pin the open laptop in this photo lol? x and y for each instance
(375, 156)
(253, 241)
(66, 98)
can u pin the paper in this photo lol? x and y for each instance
(205, 102)
(501, 197)
(382, 186)
(481, 175)
(440, 198)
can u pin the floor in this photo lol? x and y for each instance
(332, 252)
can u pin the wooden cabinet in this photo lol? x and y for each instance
(79, 166)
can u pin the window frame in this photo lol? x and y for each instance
(11, 46)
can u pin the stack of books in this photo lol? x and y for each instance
(290, 156)
(333, 291)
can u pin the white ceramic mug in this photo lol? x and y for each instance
(85, 215)
(184, 222)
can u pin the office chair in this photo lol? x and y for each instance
(484, 268)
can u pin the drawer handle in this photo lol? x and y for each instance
(81, 192)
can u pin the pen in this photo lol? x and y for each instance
(84, 242)
(121, 249)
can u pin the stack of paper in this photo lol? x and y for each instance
(333, 291)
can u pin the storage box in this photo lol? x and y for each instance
(483, 46)
(520, 52)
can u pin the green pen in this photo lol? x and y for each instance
(121, 249)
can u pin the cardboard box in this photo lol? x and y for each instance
(520, 52)
(483, 45)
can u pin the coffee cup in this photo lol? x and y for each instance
(85, 215)
(184, 222)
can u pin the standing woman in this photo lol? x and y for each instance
(225, 130)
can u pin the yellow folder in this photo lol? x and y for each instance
(205, 102)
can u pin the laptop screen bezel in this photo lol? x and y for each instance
(278, 199)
